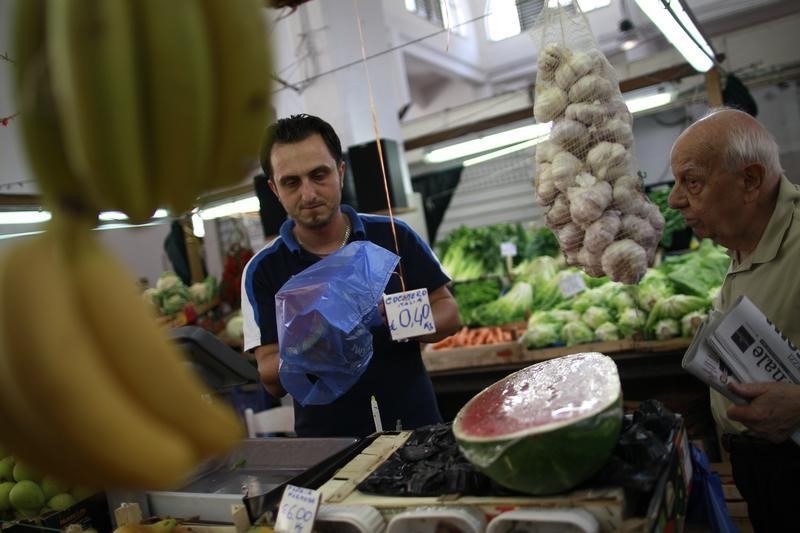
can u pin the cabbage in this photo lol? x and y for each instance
(565, 315)
(666, 328)
(168, 280)
(622, 301)
(510, 307)
(152, 298)
(545, 317)
(234, 328)
(607, 331)
(589, 298)
(203, 292)
(631, 321)
(174, 302)
(594, 316)
(577, 333)
(540, 335)
(653, 287)
(691, 322)
(675, 307)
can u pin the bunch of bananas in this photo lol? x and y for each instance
(133, 105)
(95, 394)
(128, 105)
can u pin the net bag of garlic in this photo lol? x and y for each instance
(586, 176)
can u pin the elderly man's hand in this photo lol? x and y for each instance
(773, 412)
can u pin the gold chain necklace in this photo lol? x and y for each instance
(344, 240)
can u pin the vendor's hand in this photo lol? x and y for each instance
(773, 412)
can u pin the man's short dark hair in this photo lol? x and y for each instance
(294, 129)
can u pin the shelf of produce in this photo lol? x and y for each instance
(188, 315)
(512, 354)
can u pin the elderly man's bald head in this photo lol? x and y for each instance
(734, 139)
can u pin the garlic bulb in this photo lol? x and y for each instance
(558, 213)
(570, 135)
(550, 58)
(564, 169)
(545, 186)
(607, 160)
(546, 151)
(586, 204)
(602, 232)
(639, 230)
(614, 130)
(589, 88)
(569, 71)
(591, 263)
(617, 108)
(588, 113)
(570, 237)
(584, 179)
(654, 216)
(626, 193)
(600, 64)
(624, 261)
(548, 103)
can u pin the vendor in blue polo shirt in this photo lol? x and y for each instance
(302, 160)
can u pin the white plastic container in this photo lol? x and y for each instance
(432, 519)
(349, 519)
(544, 521)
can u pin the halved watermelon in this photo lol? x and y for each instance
(547, 427)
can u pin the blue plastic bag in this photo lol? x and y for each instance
(707, 501)
(324, 315)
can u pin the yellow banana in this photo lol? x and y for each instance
(18, 417)
(39, 121)
(85, 415)
(178, 88)
(239, 45)
(92, 52)
(146, 363)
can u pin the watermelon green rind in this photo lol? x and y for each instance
(549, 456)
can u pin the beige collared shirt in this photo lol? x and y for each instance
(770, 277)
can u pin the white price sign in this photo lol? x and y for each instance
(409, 314)
(508, 249)
(297, 510)
(572, 285)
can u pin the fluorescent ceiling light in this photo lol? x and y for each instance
(24, 217)
(650, 101)
(109, 216)
(246, 205)
(692, 45)
(504, 151)
(489, 142)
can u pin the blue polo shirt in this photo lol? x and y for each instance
(396, 375)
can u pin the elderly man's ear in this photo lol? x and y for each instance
(753, 176)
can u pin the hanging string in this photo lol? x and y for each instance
(374, 115)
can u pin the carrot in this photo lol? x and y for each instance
(447, 342)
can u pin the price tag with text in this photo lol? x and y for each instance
(508, 249)
(572, 285)
(409, 314)
(297, 510)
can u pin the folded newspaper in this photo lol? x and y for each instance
(741, 345)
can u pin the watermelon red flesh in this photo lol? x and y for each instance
(550, 394)
(546, 428)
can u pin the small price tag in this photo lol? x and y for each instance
(508, 249)
(572, 285)
(409, 314)
(297, 510)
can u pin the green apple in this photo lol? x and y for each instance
(26, 495)
(5, 488)
(7, 468)
(23, 472)
(52, 486)
(59, 502)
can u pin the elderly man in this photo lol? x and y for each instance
(729, 186)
